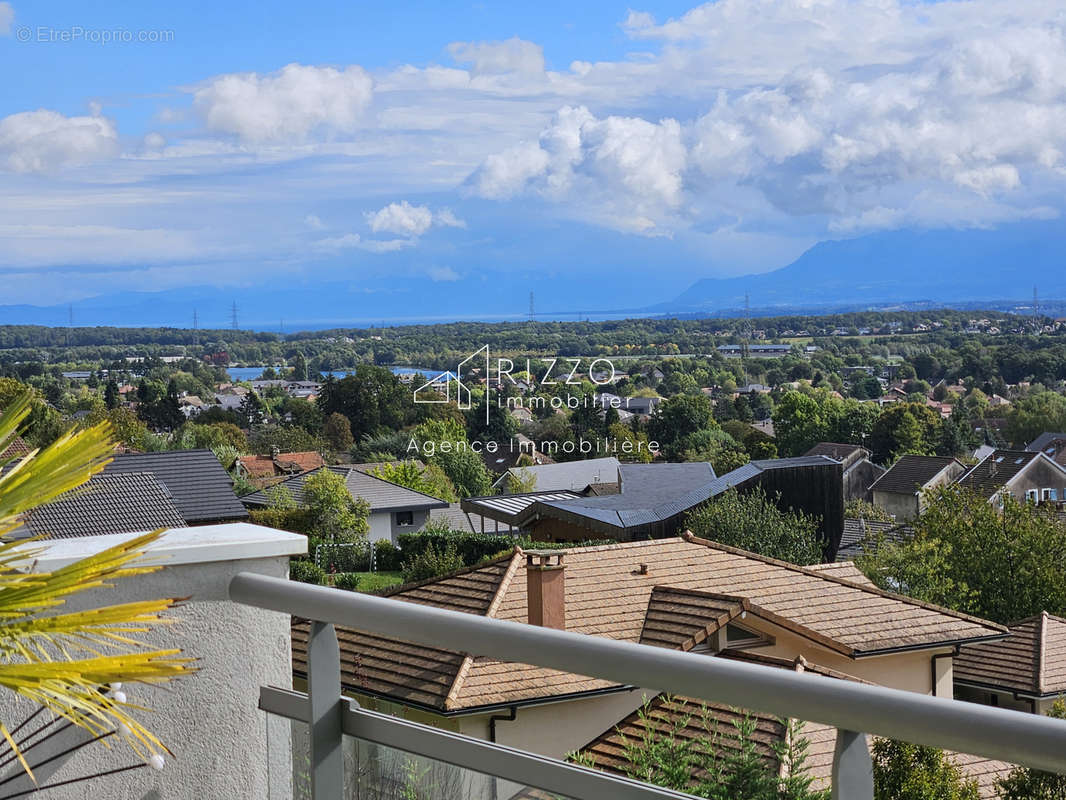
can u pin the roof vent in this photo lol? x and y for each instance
(642, 569)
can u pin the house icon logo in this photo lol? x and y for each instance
(439, 388)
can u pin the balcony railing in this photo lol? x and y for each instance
(854, 709)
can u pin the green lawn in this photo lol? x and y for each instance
(376, 581)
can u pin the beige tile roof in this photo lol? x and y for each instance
(845, 570)
(608, 594)
(608, 750)
(681, 618)
(1032, 660)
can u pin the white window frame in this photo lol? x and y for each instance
(1049, 494)
(1032, 495)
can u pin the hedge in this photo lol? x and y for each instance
(473, 548)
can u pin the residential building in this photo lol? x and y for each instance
(1026, 671)
(859, 471)
(679, 593)
(654, 500)
(1029, 477)
(899, 490)
(393, 509)
(1053, 445)
(861, 534)
(507, 509)
(264, 471)
(572, 475)
(198, 485)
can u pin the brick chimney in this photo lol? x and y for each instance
(546, 588)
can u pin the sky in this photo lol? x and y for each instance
(617, 152)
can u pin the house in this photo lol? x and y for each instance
(680, 593)
(1029, 477)
(687, 718)
(264, 471)
(506, 456)
(124, 502)
(641, 406)
(899, 489)
(1053, 445)
(199, 486)
(859, 471)
(1026, 671)
(654, 500)
(393, 509)
(573, 475)
(507, 509)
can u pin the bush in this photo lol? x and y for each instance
(296, 520)
(471, 548)
(346, 580)
(306, 572)
(387, 556)
(341, 556)
(433, 561)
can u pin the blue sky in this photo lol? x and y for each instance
(587, 147)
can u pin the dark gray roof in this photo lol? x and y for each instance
(911, 473)
(997, 470)
(1046, 443)
(119, 503)
(653, 493)
(509, 507)
(858, 533)
(835, 450)
(198, 484)
(380, 494)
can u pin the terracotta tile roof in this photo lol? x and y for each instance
(911, 473)
(299, 462)
(681, 618)
(1031, 661)
(608, 594)
(258, 466)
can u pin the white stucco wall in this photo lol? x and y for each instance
(222, 745)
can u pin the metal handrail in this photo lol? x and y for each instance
(1013, 736)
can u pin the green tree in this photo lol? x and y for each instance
(1002, 564)
(688, 750)
(752, 521)
(1032, 415)
(904, 771)
(338, 432)
(335, 515)
(111, 398)
(1024, 783)
(905, 428)
(372, 398)
(800, 422)
(450, 451)
(678, 422)
(429, 480)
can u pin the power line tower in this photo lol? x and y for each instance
(532, 311)
(195, 328)
(70, 321)
(233, 315)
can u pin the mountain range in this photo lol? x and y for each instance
(922, 268)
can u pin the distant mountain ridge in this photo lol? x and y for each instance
(926, 269)
(898, 266)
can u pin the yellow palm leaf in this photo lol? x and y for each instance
(65, 661)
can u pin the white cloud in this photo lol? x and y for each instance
(40, 141)
(7, 16)
(493, 58)
(287, 106)
(350, 241)
(313, 222)
(404, 219)
(443, 274)
(622, 171)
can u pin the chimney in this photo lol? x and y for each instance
(546, 588)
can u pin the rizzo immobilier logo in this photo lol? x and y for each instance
(439, 389)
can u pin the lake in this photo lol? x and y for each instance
(251, 373)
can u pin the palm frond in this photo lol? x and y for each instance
(65, 662)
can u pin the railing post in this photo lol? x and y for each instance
(324, 696)
(853, 772)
